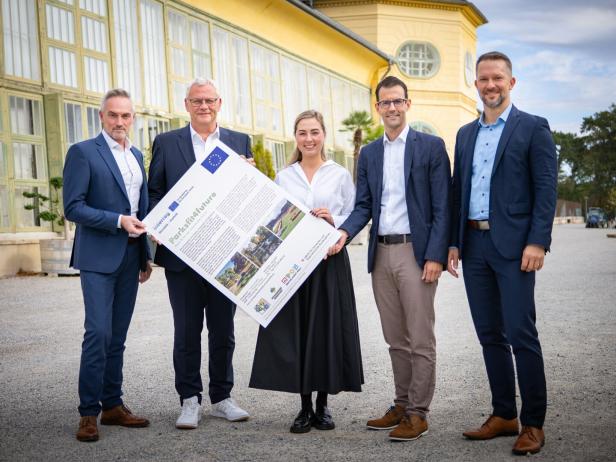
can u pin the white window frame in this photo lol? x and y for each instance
(418, 59)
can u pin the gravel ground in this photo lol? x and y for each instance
(40, 336)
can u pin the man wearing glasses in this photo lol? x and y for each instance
(192, 297)
(403, 185)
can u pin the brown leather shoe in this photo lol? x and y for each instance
(88, 431)
(531, 440)
(392, 417)
(410, 428)
(122, 415)
(493, 427)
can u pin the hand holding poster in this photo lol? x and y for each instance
(241, 232)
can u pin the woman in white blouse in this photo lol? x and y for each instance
(313, 343)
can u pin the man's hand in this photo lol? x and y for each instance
(145, 275)
(532, 258)
(323, 213)
(154, 240)
(432, 271)
(250, 160)
(337, 247)
(131, 225)
(452, 261)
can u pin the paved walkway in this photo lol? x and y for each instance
(41, 322)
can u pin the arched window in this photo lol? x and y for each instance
(424, 127)
(418, 59)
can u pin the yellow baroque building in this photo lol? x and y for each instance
(434, 46)
(271, 60)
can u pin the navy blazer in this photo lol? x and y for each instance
(427, 175)
(94, 197)
(522, 187)
(172, 156)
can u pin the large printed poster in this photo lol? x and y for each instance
(241, 232)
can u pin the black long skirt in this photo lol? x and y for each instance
(313, 342)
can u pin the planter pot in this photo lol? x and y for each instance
(56, 256)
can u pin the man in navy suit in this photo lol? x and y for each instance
(403, 184)
(190, 295)
(504, 198)
(105, 194)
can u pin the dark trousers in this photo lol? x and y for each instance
(109, 301)
(191, 298)
(501, 297)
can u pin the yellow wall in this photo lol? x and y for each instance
(444, 101)
(295, 31)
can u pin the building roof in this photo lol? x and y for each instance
(472, 11)
(342, 29)
(476, 10)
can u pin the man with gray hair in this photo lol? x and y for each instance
(192, 297)
(105, 194)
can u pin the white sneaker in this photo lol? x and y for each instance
(228, 409)
(191, 413)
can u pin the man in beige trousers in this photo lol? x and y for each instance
(403, 185)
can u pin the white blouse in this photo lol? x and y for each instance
(332, 187)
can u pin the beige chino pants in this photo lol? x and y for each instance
(406, 308)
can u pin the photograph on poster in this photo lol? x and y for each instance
(284, 218)
(236, 273)
(261, 246)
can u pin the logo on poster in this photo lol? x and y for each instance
(214, 160)
(291, 274)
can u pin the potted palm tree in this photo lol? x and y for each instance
(55, 252)
(358, 123)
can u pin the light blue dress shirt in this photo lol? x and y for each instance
(483, 161)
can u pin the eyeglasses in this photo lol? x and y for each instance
(197, 102)
(386, 103)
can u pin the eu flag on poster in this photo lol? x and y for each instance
(215, 159)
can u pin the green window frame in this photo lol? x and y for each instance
(23, 161)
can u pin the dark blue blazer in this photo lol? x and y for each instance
(427, 176)
(522, 187)
(94, 197)
(172, 156)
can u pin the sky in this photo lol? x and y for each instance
(563, 54)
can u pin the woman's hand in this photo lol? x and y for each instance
(323, 213)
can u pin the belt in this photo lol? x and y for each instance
(394, 239)
(133, 240)
(481, 225)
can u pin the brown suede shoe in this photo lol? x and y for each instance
(122, 415)
(531, 440)
(392, 417)
(410, 428)
(88, 431)
(493, 427)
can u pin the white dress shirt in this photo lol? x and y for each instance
(394, 214)
(332, 187)
(201, 146)
(130, 170)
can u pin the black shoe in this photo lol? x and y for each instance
(303, 421)
(323, 420)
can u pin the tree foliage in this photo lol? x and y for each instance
(51, 203)
(357, 123)
(374, 133)
(263, 160)
(587, 162)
